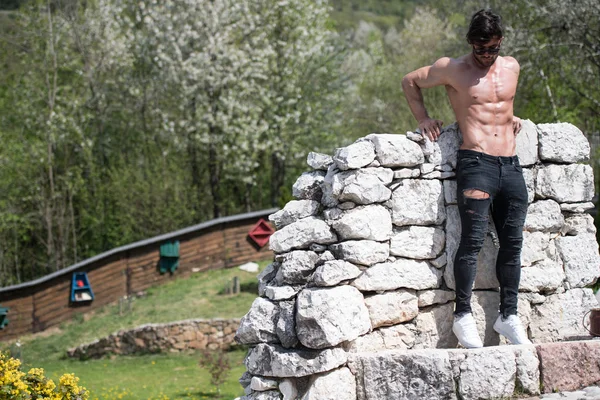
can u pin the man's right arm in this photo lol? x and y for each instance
(426, 77)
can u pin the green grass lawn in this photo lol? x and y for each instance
(160, 376)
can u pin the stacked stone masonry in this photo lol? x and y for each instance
(193, 334)
(364, 266)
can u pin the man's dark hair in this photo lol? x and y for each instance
(484, 26)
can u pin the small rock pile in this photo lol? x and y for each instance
(191, 334)
(364, 259)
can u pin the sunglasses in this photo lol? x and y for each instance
(488, 50)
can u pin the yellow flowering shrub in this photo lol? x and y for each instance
(33, 385)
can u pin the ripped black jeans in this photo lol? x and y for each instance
(502, 179)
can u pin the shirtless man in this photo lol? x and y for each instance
(481, 86)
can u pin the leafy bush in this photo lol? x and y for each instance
(217, 364)
(18, 385)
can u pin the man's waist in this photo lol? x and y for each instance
(488, 157)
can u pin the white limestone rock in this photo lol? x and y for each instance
(293, 211)
(418, 242)
(528, 369)
(544, 276)
(445, 149)
(266, 276)
(362, 252)
(573, 183)
(332, 186)
(560, 316)
(347, 205)
(392, 308)
(417, 202)
(581, 259)
(275, 361)
(396, 150)
(278, 293)
(288, 389)
(450, 192)
(319, 160)
(301, 234)
(527, 143)
(261, 384)
(430, 297)
(433, 327)
(386, 338)
(485, 373)
(426, 168)
(406, 173)
(425, 374)
(286, 324)
(530, 175)
(296, 267)
(402, 273)
(485, 277)
(438, 175)
(441, 261)
(577, 207)
(537, 246)
(331, 273)
(367, 185)
(371, 222)
(326, 317)
(268, 395)
(338, 384)
(545, 216)
(579, 223)
(308, 186)
(258, 325)
(563, 143)
(356, 155)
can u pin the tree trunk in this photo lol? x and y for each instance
(277, 177)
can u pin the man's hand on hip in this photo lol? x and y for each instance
(516, 123)
(431, 128)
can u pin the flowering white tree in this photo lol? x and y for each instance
(248, 81)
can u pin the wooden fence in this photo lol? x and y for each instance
(45, 302)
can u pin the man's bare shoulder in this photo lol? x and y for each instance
(448, 62)
(510, 63)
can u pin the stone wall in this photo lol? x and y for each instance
(364, 257)
(193, 334)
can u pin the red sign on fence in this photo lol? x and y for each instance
(261, 232)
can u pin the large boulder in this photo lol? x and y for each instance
(258, 325)
(293, 211)
(402, 273)
(275, 361)
(571, 183)
(392, 308)
(419, 242)
(301, 234)
(417, 202)
(581, 259)
(563, 143)
(367, 222)
(362, 252)
(366, 186)
(356, 155)
(326, 317)
(396, 150)
(560, 317)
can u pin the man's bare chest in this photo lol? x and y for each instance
(497, 86)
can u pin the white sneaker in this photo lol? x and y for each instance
(512, 329)
(465, 329)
